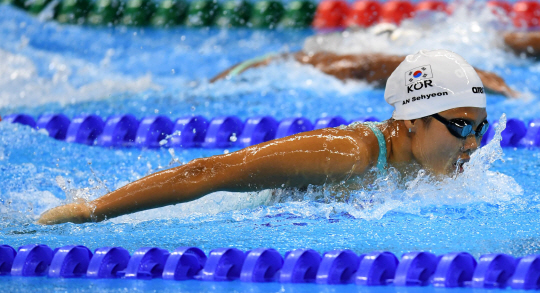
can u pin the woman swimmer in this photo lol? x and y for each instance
(375, 68)
(438, 121)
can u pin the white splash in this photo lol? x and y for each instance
(472, 30)
(20, 83)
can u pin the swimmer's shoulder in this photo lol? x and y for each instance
(364, 140)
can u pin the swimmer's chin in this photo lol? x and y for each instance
(77, 213)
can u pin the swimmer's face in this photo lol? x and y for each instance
(440, 152)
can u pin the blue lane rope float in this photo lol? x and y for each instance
(190, 132)
(341, 266)
(119, 131)
(290, 126)
(257, 130)
(338, 267)
(223, 132)
(261, 265)
(184, 263)
(152, 130)
(107, 262)
(56, 124)
(219, 132)
(84, 129)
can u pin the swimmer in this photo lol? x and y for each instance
(375, 68)
(438, 121)
(371, 67)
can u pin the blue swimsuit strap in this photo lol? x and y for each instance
(381, 162)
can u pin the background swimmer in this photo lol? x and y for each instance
(371, 67)
(437, 134)
(340, 55)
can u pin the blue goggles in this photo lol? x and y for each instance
(461, 128)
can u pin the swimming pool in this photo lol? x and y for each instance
(48, 67)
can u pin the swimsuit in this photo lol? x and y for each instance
(381, 161)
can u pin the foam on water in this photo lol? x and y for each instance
(20, 83)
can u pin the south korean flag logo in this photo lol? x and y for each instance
(417, 74)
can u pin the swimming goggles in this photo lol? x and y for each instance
(460, 128)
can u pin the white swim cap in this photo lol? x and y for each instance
(429, 82)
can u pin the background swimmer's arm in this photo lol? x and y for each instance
(372, 67)
(377, 68)
(315, 157)
(496, 84)
(524, 42)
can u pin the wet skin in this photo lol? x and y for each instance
(437, 150)
(325, 156)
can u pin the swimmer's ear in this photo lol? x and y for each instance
(411, 125)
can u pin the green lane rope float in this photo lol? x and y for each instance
(298, 14)
(266, 14)
(138, 12)
(234, 14)
(169, 13)
(201, 13)
(37, 6)
(16, 3)
(105, 12)
(72, 11)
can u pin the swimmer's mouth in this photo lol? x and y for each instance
(458, 165)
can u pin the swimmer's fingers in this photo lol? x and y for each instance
(508, 92)
(512, 93)
(495, 83)
(75, 213)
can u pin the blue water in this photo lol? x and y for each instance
(46, 67)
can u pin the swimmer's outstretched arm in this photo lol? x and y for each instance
(315, 157)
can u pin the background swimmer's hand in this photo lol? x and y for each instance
(74, 212)
(496, 84)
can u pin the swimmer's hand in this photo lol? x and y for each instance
(74, 212)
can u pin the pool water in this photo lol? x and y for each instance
(51, 68)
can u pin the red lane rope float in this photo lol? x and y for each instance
(500, 6)
(431, 6)
(396, 11)
(330, 14)
(364, 13)
(527, 14)
(337, 14)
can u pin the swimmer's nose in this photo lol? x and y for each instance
(471, 143)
